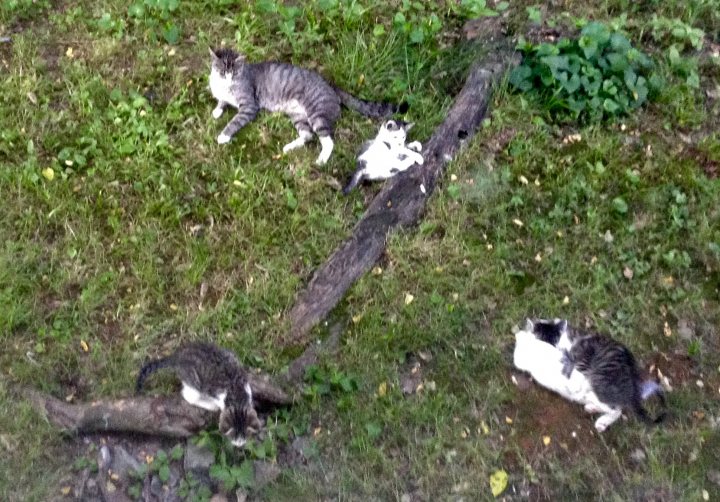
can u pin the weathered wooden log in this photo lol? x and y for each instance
(401, 201)
(169, 416)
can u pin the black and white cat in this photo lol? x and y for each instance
(386, 155)
(308, 99)
(609, 367)
(212, 379)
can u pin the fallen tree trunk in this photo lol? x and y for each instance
(169, 416)
(400, 203)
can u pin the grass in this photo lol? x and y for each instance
(146, 234)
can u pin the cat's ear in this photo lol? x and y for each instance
(212, 54)
(391, 125)
(240, 59)
(529, 325)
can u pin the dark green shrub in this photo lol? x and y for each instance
(593, 77)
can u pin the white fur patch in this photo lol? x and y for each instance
(248, 391)
(201, 400)
(220, 88)
(303, 138)
(292, 107)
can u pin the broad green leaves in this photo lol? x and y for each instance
(597, 76)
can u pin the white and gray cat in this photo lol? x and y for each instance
(386, 155)
(308, 99)
(212, 379)
(591, 369)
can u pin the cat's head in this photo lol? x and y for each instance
(395, 131)
(226, 62)
(549, 331)
(239, 420)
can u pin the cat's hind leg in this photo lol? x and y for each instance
(304, 135)
(323, 128)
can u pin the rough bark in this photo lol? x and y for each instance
(401, 201)
(169, 416)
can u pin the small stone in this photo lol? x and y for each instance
(684, 330)
(265, 473)
(197, 458)
(638, 455)
(123, 464)
(713, 476)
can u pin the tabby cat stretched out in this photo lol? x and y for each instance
(308, 99)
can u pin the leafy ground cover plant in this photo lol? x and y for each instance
(596, 76)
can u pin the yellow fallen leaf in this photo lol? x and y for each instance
(237, 183)
(377, 271)
(48, 173)
(84, 346)
(453, 177)
(566, 300)
(538, 257)
(65, 490)
(409, 298)
(498, 482)
(69, 52)
(666, 329)
(171, 52)
(518, 222)
(508, 420)
(523, 180)
(173, 306)
(382, 389)
(484, 427)
(356, 318)
(546, 440)
(705, 495)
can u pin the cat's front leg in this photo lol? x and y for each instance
(415, 145)
(242, 117)
(607, 419)
(219, 109)
(417, 158)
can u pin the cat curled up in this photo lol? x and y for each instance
(608, 365)
(308, 99)
(212, 379)
(386, 155)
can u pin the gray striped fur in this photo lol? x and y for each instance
(307, 98)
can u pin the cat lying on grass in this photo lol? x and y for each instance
(589, 369)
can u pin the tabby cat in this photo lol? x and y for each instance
(609, 366)
(308, 99)
(212, 379)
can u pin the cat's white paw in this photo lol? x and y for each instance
(217, 112)
(600, 425)
(293, 145)
(223, 138)
(415, 145)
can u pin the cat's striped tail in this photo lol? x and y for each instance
(150, 368)
(370, 108)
